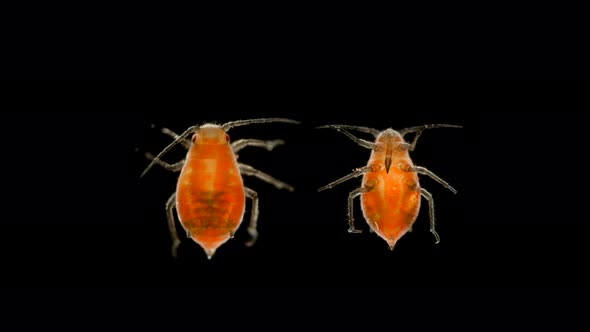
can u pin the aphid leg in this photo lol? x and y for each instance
(428, 197)
(184, 135)
(359, 141)
(414, 141)
(252, 228)
(185, 142)
(171, 167)
(357, 172)
(424, 171)
(268, 145)
(251, 171)
(171, 225)
(355, 193)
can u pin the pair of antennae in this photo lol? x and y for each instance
(402, 132)
(225, 127)
(239, 123)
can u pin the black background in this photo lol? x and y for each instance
(80, 227)
(80, 216)
(77, 217)
(256, 41)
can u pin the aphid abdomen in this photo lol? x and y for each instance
(393, 204)
(211, 198)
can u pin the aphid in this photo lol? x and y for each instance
(390, 191)
(210, 197)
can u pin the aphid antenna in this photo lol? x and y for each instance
(405, 131)
(225, 127)
(367, 130)
(240, 123)
(180, 138)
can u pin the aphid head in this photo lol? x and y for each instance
(210, 134)
(389, 139)
(388, 134)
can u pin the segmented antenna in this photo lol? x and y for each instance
(359, 141)
(240, 123)
(367, 130)
(225, 127)
(424, 127)
(180, 138)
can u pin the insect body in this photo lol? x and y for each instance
(210, 195)
(390, 191)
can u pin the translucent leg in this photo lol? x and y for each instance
(251, 171)
(252, 228)
(355, 193)
(357, 172)
(414, 141)
(171, 225)
(428, 197)
(424, 171)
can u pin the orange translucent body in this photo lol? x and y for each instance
(391, 202)
(210, 192)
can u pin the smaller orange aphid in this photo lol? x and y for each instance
(210, 197)
(390, 191)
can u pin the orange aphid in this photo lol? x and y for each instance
(210, 195)
(390, 191)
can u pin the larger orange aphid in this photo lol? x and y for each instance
(210, 196)
(390, 191)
